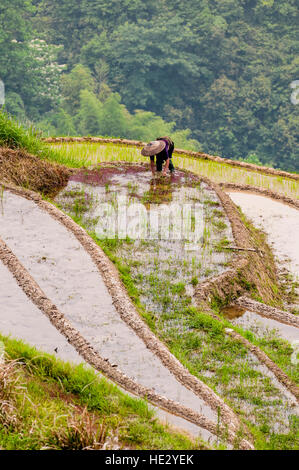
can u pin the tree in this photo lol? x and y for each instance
(221, 68)
(72, 84)
(89, 116)
(146, 126)
(113, 120)
(28, 65)
(15, 105)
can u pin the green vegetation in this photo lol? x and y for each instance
(215, 72)
(103, 114)
(198, 340)
(16, 136)
(85, 154)
(47, 403)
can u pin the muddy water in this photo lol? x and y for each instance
(259, 325)
(233, 312)
(279, 221)
(21, 319)
(69, 278)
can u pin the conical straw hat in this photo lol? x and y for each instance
(153, 148)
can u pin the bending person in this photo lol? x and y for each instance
(161, 148)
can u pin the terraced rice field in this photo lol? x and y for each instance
(78, 154)
(131, 295)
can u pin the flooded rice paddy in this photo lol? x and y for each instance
(281, 224)
(65, 272)
(78, 154)
(163, 267)
(21, 319)
(260, 325)
(161, 275)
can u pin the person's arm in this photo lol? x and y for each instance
(166, 166)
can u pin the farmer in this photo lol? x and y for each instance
(163, 148)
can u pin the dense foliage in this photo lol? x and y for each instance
(221, 68)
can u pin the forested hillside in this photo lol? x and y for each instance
(215, 74)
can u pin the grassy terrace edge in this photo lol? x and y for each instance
(50, 403)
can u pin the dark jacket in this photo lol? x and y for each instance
(167, 151)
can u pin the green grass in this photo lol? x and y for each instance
(15, 136)
(54, 404)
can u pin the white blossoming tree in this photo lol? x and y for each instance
(46, 71)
